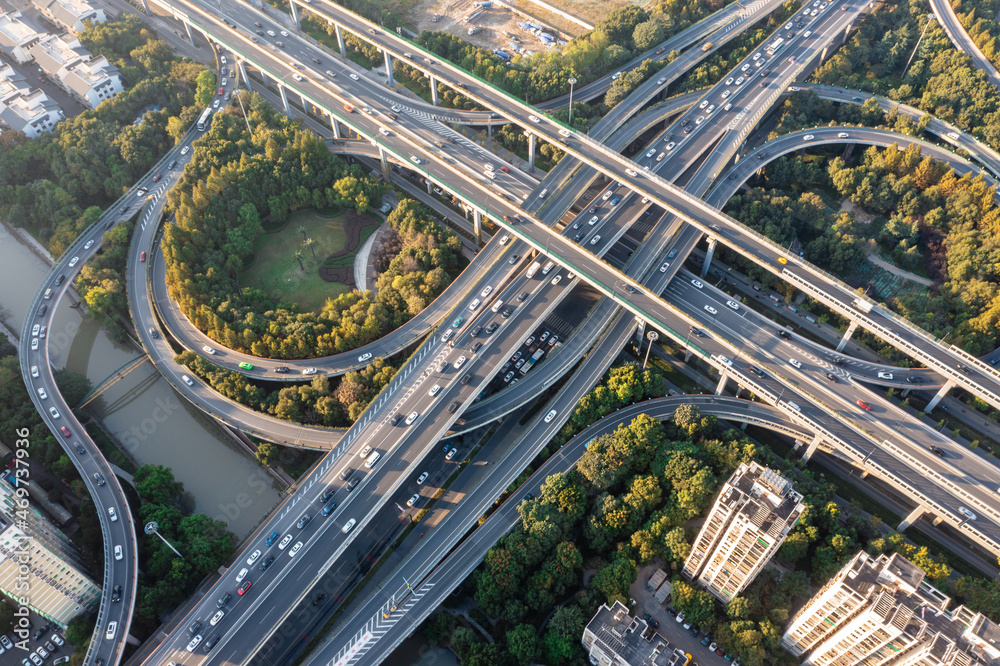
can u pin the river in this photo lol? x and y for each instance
(152, 421)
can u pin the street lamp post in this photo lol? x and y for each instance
(572, 82)
(930, 18)
(152, 527)
(652, 336)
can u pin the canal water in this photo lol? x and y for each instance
(154, 423)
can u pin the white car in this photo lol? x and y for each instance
(112, 514)
(253, 558)
(434, 390)
(242, 574)
(664, 267)
(412, 417)
(968, 514)
(215, 104)
(504, 239)
(534, 119)
(670, 146)
(460, 362)
(697, 283)
(284, 542)
(595, 240)
(607, 195)
(217, 618)
(54, 412)
(555, 281)
(842, 135)
(89, 244)
(74, 261)
(726, 94)
(885, 375)
(297, 77)
(34, 371)
(270, 33)
(725, 361)
(733, 304)
(593, 220)
(365, 451)
(422, 478)
(284, 34)
(413, 500)
(364, 357)
(551, 415)
(354, 76)
(703, 104)
(451, 453)
(112, 628)
(309, 371)
(118, 552)
(615, 76)
(795, 362)
(349, 526)
(740, 81)
(808, 137)
(661, 81)
(566, 133)
(487, 290)
(699, 120)
(709, 309)
(384, 131)
(651, 152)
(208, 350)
(415, 159)
(295, 549)
(631, 172)
(185, 150)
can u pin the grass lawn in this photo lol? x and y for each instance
(276, 271)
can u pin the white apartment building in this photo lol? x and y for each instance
(23, 108)
(17, 36)
(67, 63)
(70, 14)
(40, 565)
(749, 521)
(881, 611)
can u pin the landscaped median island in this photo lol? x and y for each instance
(261, 254)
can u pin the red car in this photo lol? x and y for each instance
(65, 431)
(157, 177)
(505, 169)
(220, 92)
(243, 588)
(864, 405)
(142, 256)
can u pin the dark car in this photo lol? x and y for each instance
(42, 310)
(784, 335)
(839, 361)
(937, 450)
(353, 484)
(467, 378)
(317, 61)
(476, 347)
(477, 330)
(492, 328)
(964, 368)
(346, 474)
(832, 377)
(213, 641)
(328, 509)
(578, 236)
(593, 209)
(193, 629)
(325, 497)
(520, 297)
(706, 640)
(914, 380)
(396, 419)
(224, 599)
(303, 521)
(281, 369)
(116, 594)
(453, 407)
(272, 538)
(80, 449)
(59, 280)
(266, 563)
(506, 312)
(757, 371)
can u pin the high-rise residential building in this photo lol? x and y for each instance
(40, 566)
(615, 638)
(879, 610)
(747, 524)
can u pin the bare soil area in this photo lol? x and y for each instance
(498, 25)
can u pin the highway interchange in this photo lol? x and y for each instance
(401, 449)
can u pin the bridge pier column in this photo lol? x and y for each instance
(428, 183)
(723, 380)
(284, 100)
(640, 330)
(263, 77)
(811, 449)
(340, 40)
(477, 222)
(712, 242)
(384, 159)
(942, 392)
(910, 519)
(187, 26)
(434, 90)
(847, 336)
(305, 107)
(145, 7)
(295, 13)
(531, 152)
(243, 74)
(336, 127)
(388, 67)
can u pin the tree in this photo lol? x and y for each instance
(79, 630)
(267, 454)
(562, 635)
(311, 244)
(156, 484)
(675, 545)
(462, 639)
(696, 604)
(614, 580)
(522, 643)
(647, 35)
(205, 92)
(298, 258)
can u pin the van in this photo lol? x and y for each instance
(793, 405)
(48, 294)
(372, 459)
(541, 195)
(548, 267)
(187, 380)
(474, 305)
(496, 306)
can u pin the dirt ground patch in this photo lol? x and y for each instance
(498, 24)
(339, 266)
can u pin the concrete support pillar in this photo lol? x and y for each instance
(477, 222)
(847, 336)
(531, 153)
(723, 380)
(942, 392)
(336, 127)
(305, 106)
(434, 90)
(243, 74)
(428, 183)
(384, 159)
(910, 519)
(813, 445)
(263, 77)
(340, 40)
(145, 7)
(295, 13)
(388, 67)
(284, 100)
(187, 26)
(712, 242)
(640, 330)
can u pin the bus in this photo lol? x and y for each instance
(203, 119)
(775, 45)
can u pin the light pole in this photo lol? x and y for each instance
(930, 19)
(652, 336)
(572, 82)
(152, 527)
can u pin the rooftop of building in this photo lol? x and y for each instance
(764, 496)
(73, 7)
(15, 29)
(622, 634)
